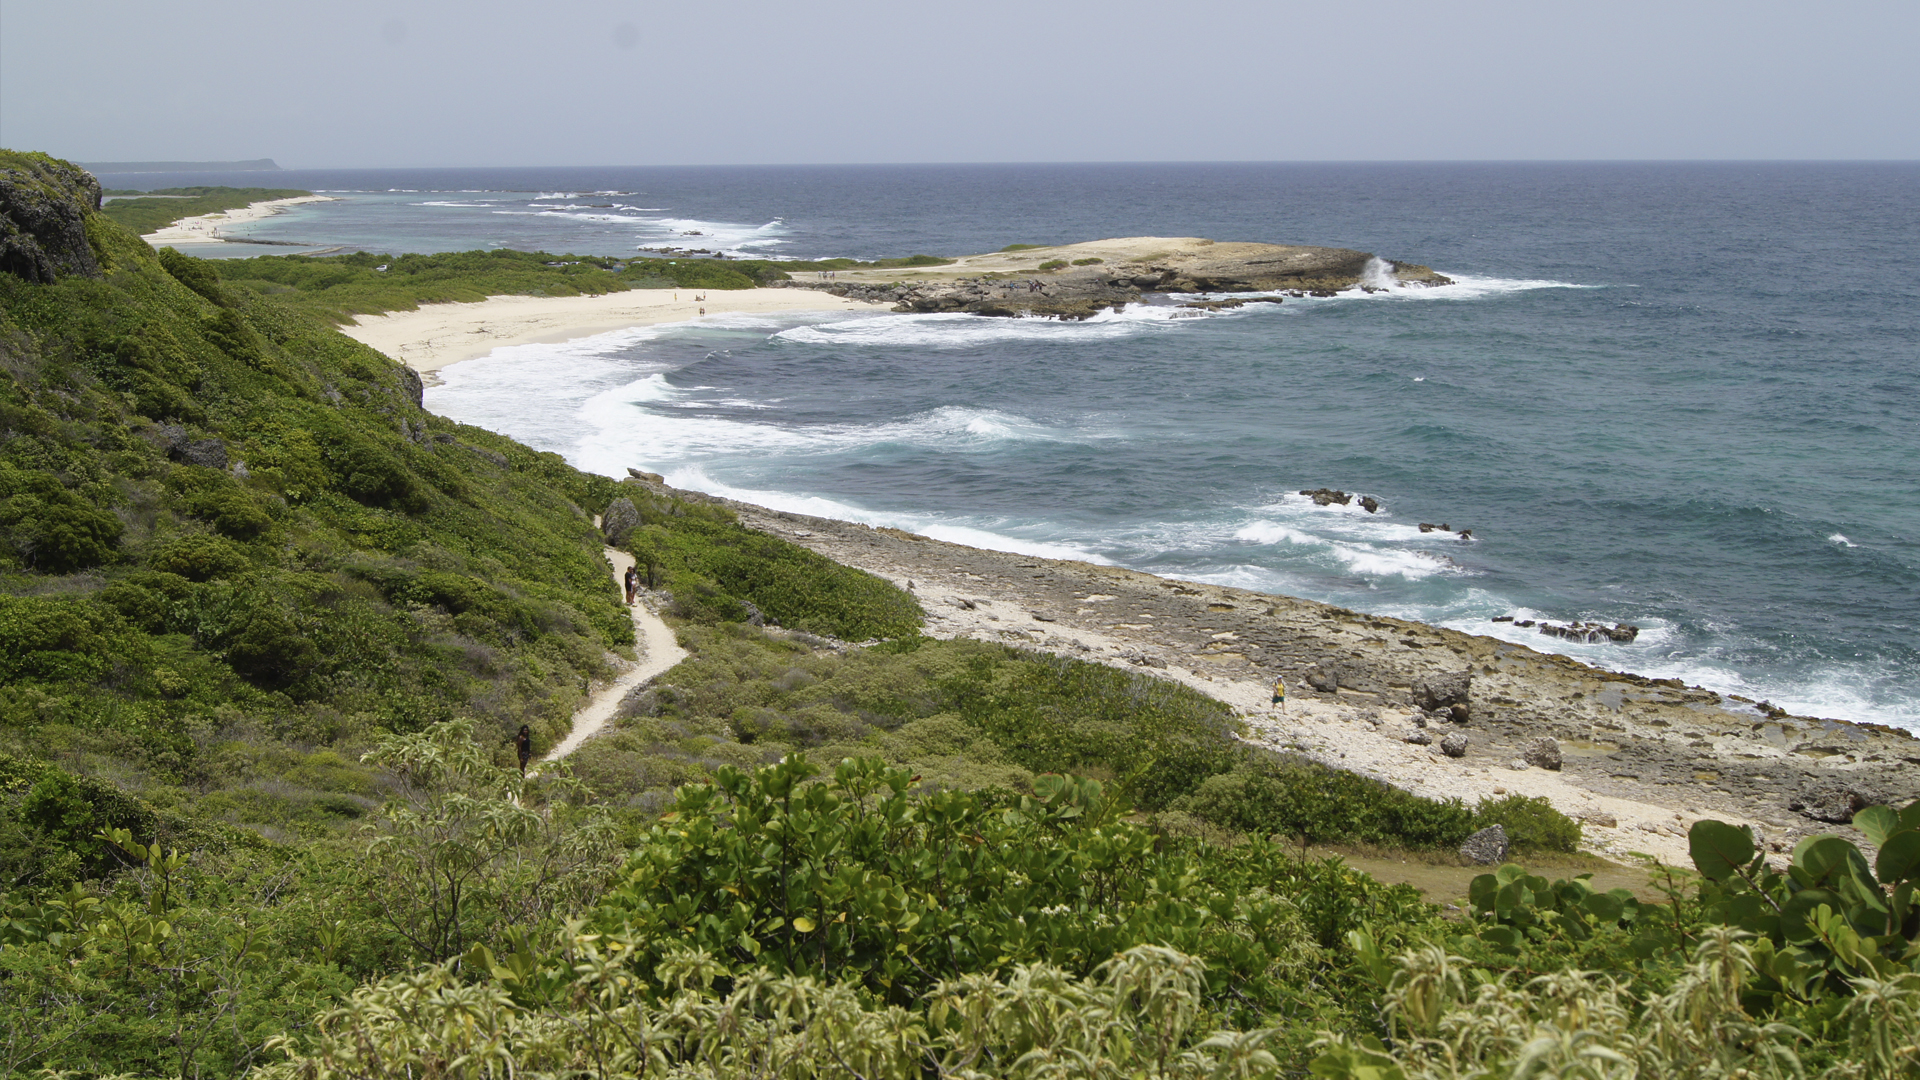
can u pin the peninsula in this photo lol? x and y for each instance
(1078, 281)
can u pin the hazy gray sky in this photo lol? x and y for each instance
(617, 82)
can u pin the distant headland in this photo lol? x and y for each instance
(1077, 281)
(256, 165)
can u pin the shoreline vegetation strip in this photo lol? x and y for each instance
(267, 628)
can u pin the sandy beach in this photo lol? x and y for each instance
(436, 335)
(1640, 760)
(205, 229)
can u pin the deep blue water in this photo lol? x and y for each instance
(1685, 396)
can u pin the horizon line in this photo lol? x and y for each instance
(991, 164)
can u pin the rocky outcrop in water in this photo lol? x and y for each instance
(43, 218)
(1079, 288)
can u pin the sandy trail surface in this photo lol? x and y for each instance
(435, 335)
(658, 651)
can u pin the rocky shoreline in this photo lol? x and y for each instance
(1078, 281)
(1435, 711)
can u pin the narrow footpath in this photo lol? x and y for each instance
(653, 642)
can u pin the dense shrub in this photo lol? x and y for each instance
(716, 567)
(50, 529)
(201, 558)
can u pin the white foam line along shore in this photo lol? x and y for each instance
(205, 229)
(434, 336)
(658, 651)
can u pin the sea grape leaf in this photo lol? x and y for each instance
(1823, 861)
(1878, 822)
(1899, 858)
(1481, 891)
(1719, 849)
(1799, 910)
(1604, 906)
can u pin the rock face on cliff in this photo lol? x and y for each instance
(1076, 281)
(43, 217)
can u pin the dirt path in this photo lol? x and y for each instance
(658, 651)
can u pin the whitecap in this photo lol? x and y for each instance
(1836, 538)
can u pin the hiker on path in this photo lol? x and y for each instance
(633, 584)
(523, 745)
(1280, 692)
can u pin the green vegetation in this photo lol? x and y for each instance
(150, 214)
(1053, 264)
(721, 572)
(1088, 262)
(339, 287)
(266, 627)
(1021, 247)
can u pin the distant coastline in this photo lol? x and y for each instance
(255, 165)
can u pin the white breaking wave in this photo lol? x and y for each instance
(1360, 558)
(693, 477)
(460, 205)
(963, 331)
(1836, 538)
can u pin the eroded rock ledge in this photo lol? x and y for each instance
(1077, 281)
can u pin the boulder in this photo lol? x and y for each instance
(410, 382)
(1487, 847)
(1326, 496)
(1417, 737)
(1324, 679)
(211, 453)
(650, 477)
(620, 519)
(1542, 753)
(1440, 691)
(1370, 504)
(1454, 745)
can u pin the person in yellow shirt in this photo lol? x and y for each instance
(1280, 692)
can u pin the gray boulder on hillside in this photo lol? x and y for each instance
(619, 520)
(1488, 846)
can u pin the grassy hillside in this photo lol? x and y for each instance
(145, 215)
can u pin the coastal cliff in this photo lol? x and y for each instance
(1077, 281)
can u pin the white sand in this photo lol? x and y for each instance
(206, 228)
(436, 335)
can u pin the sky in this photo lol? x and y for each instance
(365, 84)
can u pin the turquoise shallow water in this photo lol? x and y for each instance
(1681, 396)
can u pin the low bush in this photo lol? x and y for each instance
(717, 568)
(1053, 264)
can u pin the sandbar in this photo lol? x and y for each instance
(436, 335)
(205, 229)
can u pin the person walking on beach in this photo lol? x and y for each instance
(633, 584)
(1280, 693)
(523, 746)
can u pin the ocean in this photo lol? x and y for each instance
(1680, 396)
